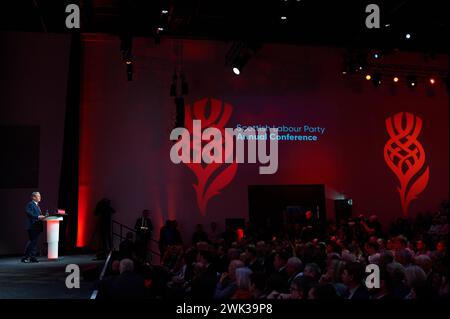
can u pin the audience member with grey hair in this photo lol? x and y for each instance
(312, 270)
(126, 265)
(416, 280)
(293, 268)
(227, 286)
(424, 262)
(243, 283)
(127, 285)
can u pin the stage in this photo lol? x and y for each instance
(46, 279)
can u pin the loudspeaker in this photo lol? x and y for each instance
(343, 209)
(179, 117)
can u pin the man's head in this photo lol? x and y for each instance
(293, 266)
(36, 196)
(126, 265)
(399, 242)
(424, 262)
(420, 245)
(371, 248)
(300, 287)
(280, 260)
(146, 213)
(251, 252)
(205, 257)
(353, 274)
(234, 264)
(312, 270)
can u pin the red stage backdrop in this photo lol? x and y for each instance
(125, 127)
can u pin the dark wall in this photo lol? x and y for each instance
(33, 90)
(125, 127)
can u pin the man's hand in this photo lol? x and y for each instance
(223, 278)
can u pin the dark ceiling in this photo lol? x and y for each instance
(311, 22)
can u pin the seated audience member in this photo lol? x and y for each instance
(127, 285)
(243, 283)
(293, 269)
(404, 257)
(300, 287)
(312, 270)
(421, 248)
(278, 280)
(416, 280)
(323, 292)
(396, 271)
(334, 276)
(255, 263)
(352, 277)
(258, 285)
(386, 257)
(227, 285)
(424, 262)
(204, 285)
(384, 292)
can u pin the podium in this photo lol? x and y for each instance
(52, 235)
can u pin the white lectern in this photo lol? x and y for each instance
(53, 235)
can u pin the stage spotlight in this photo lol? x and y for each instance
(432, 81)
(238, 64)
(411, 81)
(368, 77)
(160, 29)
(376, 79)
(239, 54)
(164, 11)
(408, 36)
(376, 55)
(395, 79)
(283, 18)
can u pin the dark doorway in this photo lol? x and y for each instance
(274, 208)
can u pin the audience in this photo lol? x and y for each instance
(411, 256)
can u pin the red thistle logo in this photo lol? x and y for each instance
(212, 177)
(405, 156)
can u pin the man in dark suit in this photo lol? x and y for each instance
(204, 285)
(353, 277)
(34, 227)
(144, 229)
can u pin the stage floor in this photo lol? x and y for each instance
(46, 279)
